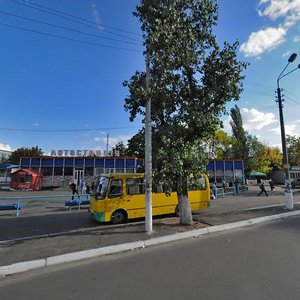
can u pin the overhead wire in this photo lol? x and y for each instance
(73, 16)
(66, 130)
(66, 28)
(68, 38)
(73, 19)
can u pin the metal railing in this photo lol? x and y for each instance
(234, 190)
(20, 202)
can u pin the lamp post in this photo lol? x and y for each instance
(148, 153)
(289, 203)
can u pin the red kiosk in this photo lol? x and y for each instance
(26, 179)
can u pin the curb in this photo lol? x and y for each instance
(80, 255)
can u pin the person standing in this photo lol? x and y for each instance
(262, 189)
(82, 187)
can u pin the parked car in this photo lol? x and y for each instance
(296, 182)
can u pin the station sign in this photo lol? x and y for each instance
(84, 153)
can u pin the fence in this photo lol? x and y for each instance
(20, 202)
(235, 190)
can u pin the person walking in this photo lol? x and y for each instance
(73, 188)
(262, 189)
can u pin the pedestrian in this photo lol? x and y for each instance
(214, 190)
(262, 189)
(93, 186)
(73, 188)
(272, 185)
(224, 185)
(88, 189)
(82, 187)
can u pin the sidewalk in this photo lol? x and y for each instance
(225, 213)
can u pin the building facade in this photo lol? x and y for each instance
(4, 155)
(60, 171)
(228, 170)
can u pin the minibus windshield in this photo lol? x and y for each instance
(101, 187)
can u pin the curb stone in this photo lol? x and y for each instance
(81, 255)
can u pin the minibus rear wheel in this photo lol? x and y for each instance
(119, 217)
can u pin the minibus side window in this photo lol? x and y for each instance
(198, 184)
(115, 189)
(135, 186)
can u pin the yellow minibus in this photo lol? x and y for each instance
(118, 198)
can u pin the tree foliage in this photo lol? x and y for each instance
(24, 152)
(293, 145)
(192, 78)
(241, 145)
(267, 159)
(220, 145)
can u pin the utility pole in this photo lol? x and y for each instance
(148, 152)
(289, 201)
(285, 160)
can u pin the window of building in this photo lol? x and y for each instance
(89, 171)
(68, 171)
(58, 171)
(47, 171)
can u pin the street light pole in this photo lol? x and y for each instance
(148, 152)
(289, 202)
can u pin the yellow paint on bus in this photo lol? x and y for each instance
(117, 198)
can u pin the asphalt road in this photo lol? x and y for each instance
(21, 227)
(258, 262)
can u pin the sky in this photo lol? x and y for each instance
(63, 63)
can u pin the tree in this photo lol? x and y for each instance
(266, 159)
(119, 149)
(136, 145)
(241, 146)
(220, 145)
(192, 79)
(293, 145)
(24, 152)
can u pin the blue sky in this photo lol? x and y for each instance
(62, 89)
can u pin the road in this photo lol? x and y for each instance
(258, 262)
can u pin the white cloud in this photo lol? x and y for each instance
(256, 120)
(97, 17)
(296, 39)
(288, 11)
(290, 129)
(280, 8)
(4, 146)
(263, 40)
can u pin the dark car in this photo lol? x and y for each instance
(295, 183)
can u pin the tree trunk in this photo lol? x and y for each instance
(185, 213)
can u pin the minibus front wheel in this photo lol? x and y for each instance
(119, 217)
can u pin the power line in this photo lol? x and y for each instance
(67, 38)
(66, 130)
(74, 19)
(291, 101)
(73, 16)
(257, 93)
(260, 85)
(66, 28)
